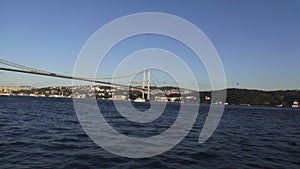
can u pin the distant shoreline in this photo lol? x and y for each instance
(235, 96)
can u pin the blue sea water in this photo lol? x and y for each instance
(45, 133)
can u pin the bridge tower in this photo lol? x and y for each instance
(146, 74)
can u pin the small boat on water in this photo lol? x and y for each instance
(139, 100)
(295, 104)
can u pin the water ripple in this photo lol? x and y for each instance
(45, 133)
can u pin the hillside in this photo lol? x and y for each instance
(259, 97)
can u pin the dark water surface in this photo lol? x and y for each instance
(45, 133)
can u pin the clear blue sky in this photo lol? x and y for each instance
(258, 41)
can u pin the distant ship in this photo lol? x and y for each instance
(5, 94)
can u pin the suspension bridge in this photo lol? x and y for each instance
(18, 68)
